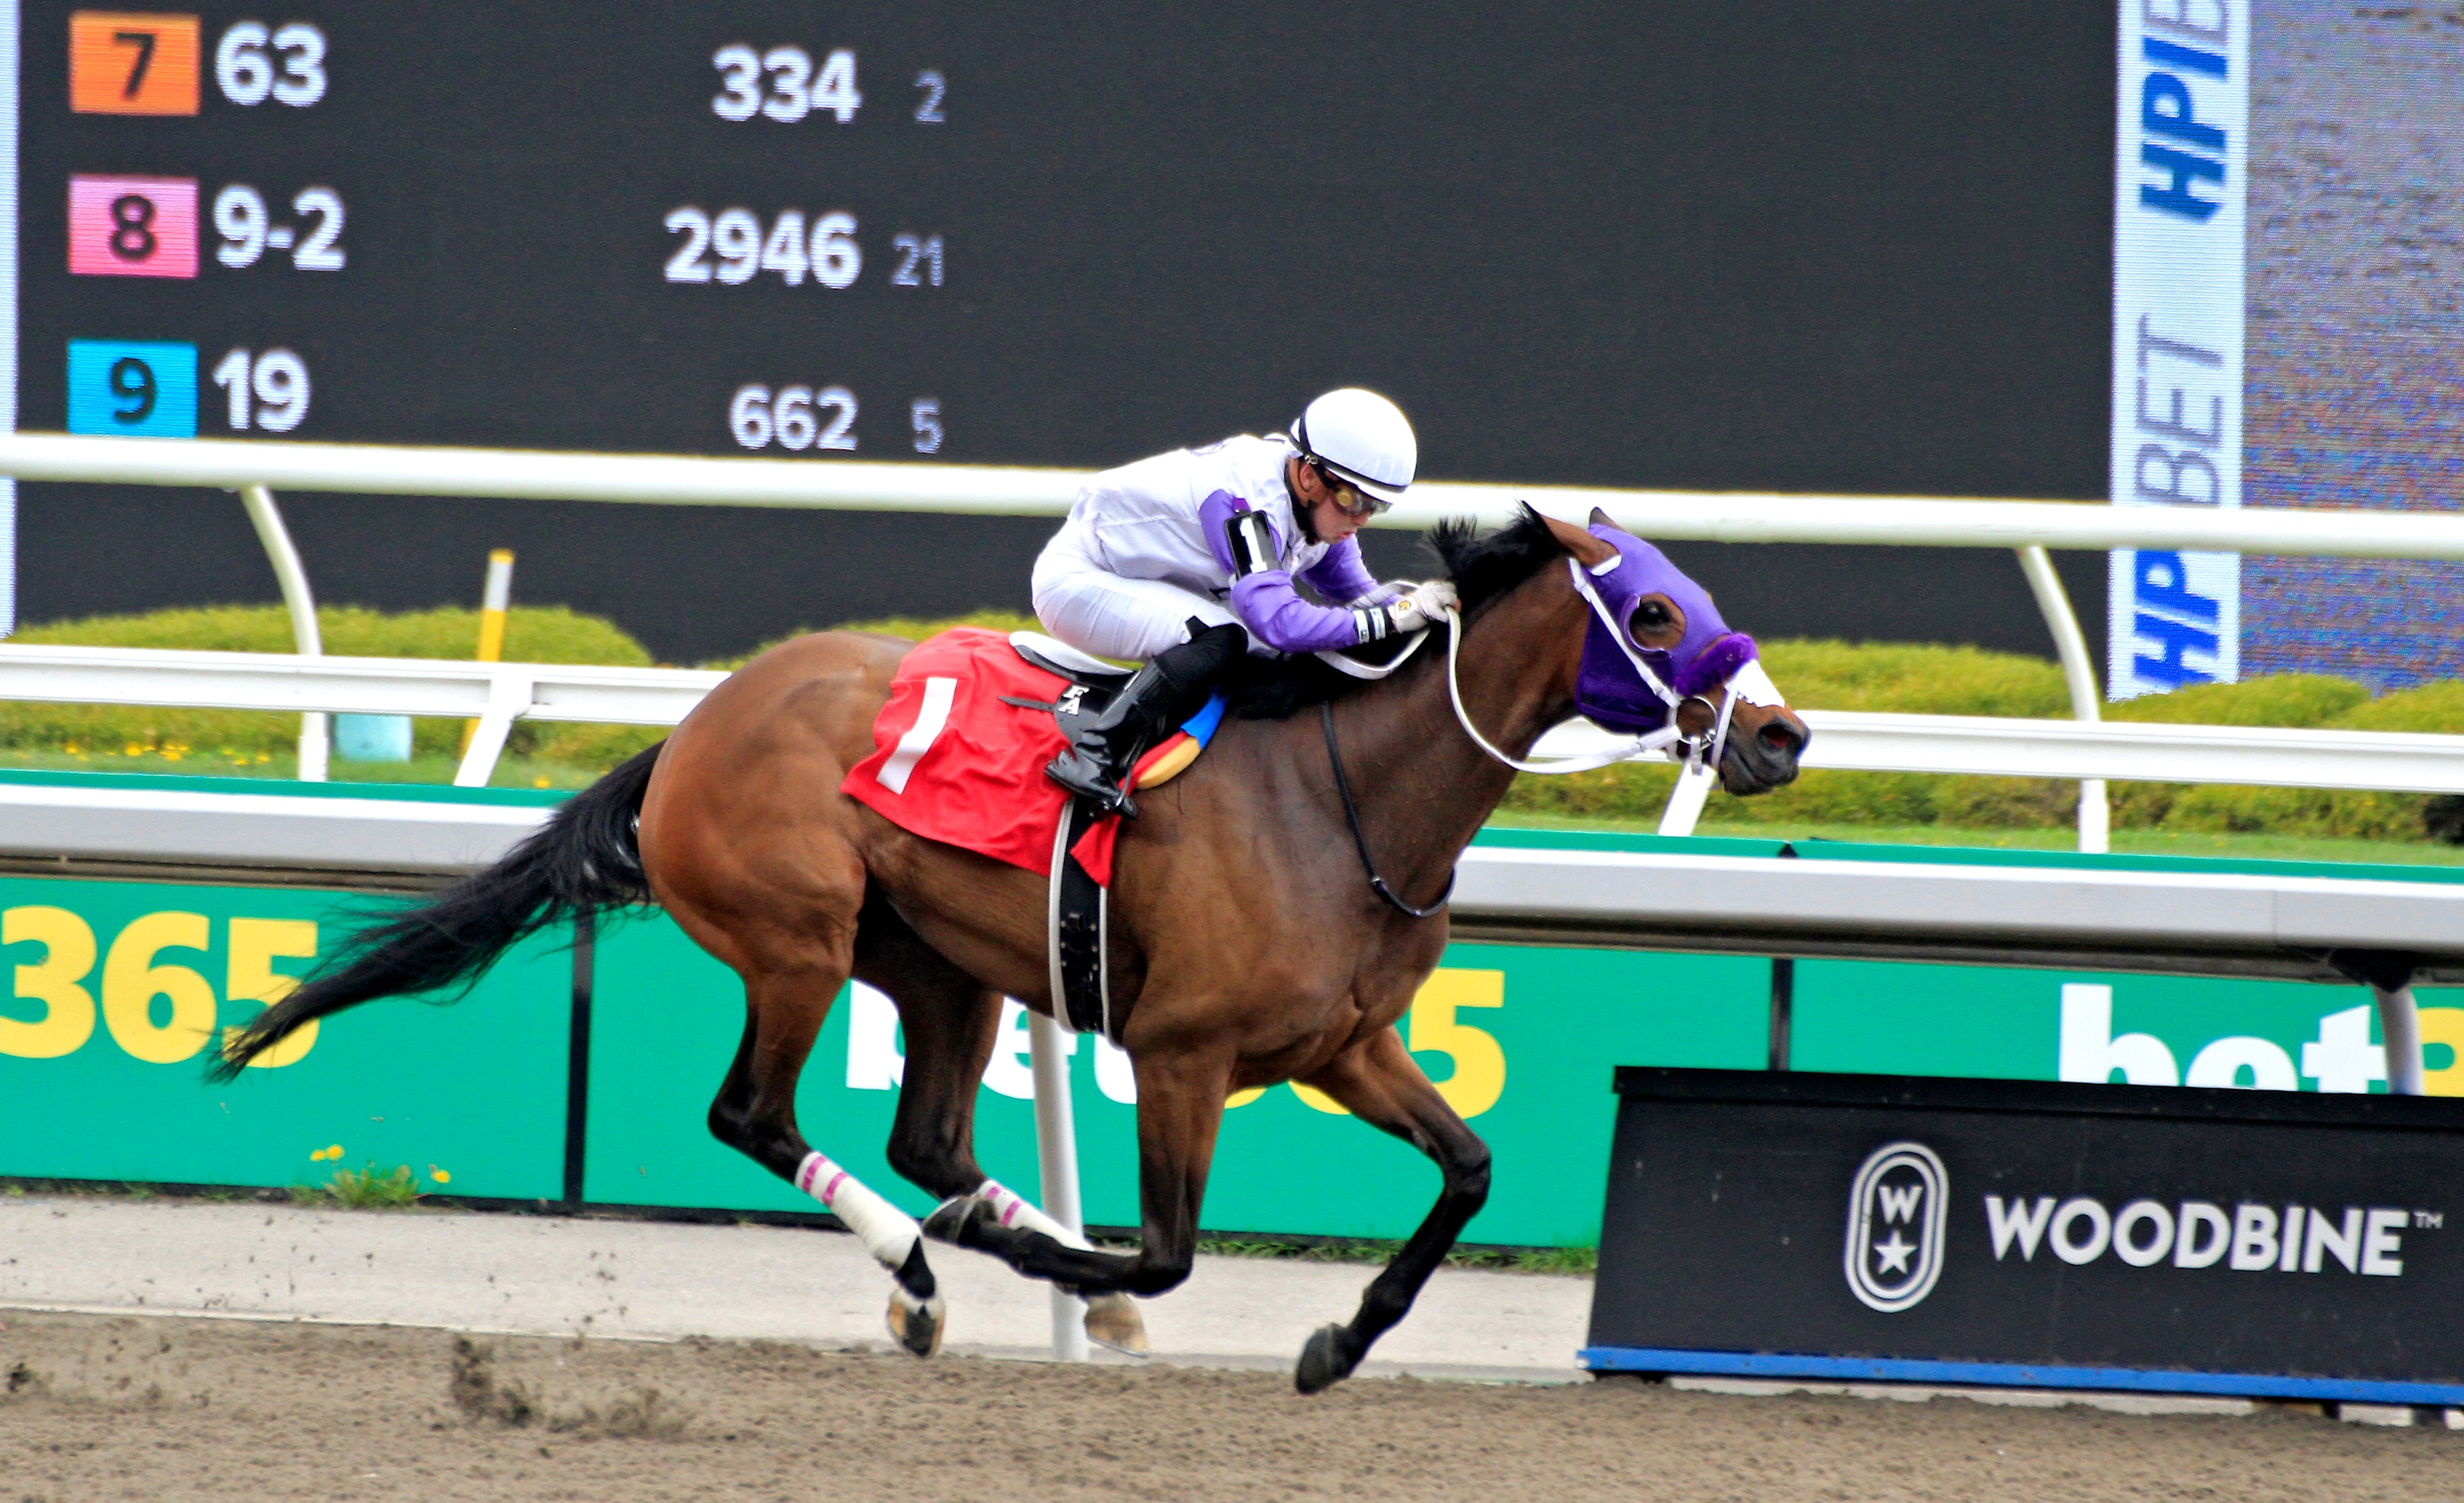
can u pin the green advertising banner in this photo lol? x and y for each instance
(119, 985)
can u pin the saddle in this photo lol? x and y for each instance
(958, 755)
(1054, 656)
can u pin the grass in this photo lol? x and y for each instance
(361, 1189)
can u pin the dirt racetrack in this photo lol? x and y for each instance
(114, 1409)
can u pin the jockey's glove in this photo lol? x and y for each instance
(1423, 605)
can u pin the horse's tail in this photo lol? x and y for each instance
(587, 857)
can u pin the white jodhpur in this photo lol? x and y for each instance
(891, 1236)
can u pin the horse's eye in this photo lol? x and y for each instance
(1651, 615)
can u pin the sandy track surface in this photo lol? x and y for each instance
(102, 1408)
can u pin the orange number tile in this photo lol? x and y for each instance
(121, 63)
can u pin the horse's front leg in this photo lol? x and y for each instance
(1180, 1106)
(1377, 1079)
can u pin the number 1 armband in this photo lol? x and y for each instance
(1250, 540)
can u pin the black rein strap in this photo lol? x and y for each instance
(1359, 841)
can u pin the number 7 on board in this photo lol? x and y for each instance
(124, 63)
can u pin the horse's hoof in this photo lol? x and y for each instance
(916, 1324)
(1113, 1322)
(1324, 1360)
(952, 1220)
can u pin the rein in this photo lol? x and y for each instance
(1360, 842)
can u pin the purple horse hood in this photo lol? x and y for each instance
(1607, 688)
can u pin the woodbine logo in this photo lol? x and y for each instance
(1897, 1209)
(2198, 1233)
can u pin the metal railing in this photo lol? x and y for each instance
(866, 485)
(497, 695)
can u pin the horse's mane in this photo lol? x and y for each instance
(1482, 566)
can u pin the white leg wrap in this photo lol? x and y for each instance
(1014, 1211)
(889, 1233)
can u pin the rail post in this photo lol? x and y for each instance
(1056, 1158)
(2070, 643)
(266, 518)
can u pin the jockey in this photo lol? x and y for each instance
(1184, 560)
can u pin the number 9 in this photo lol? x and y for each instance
(736, 236)
(239, 213)
(132, 381)
(282, 383)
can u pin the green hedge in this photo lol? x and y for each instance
(1960, 681)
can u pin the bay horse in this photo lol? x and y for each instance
(1245, 947)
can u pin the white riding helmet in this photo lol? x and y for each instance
(1362, 437)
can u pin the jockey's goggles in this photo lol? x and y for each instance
(1349, 497)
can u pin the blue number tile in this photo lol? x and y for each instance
(135, 388)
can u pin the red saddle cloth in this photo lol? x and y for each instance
(952, 763)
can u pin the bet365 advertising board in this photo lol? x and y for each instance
(116, 986)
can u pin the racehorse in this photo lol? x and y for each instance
(1245, 947)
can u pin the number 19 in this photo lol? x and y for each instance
(277, 379)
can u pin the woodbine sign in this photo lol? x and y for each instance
(2253, 1242)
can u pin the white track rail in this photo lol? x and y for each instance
(503, 692)
(1723, 516)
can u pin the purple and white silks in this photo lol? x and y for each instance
(1269, 605)
(1609, 690)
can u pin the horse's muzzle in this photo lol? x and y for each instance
(1765, 757)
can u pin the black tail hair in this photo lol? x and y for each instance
(586, 857)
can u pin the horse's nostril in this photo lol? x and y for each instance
(1777, 737)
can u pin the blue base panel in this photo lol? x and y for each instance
(2015, 1374)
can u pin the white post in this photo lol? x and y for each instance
(294, 579)
(511, 693)
(2400, 1029)
(1685, 800)
(2070, 644)
(1056, 1156)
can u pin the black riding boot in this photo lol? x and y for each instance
(1171, 687)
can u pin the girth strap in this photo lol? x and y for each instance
(1075, 931)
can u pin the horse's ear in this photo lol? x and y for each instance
(1600, 519)
(1586, 549)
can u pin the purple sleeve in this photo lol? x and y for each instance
(1268, 605)
(1216, 511)
(1341, 576)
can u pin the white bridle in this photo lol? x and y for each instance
(1749, 681)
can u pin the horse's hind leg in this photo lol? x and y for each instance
(951, 1020)
(755, 1113)
(1379, 1081)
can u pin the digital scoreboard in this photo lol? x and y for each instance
(529, 227)
(1613, 244)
